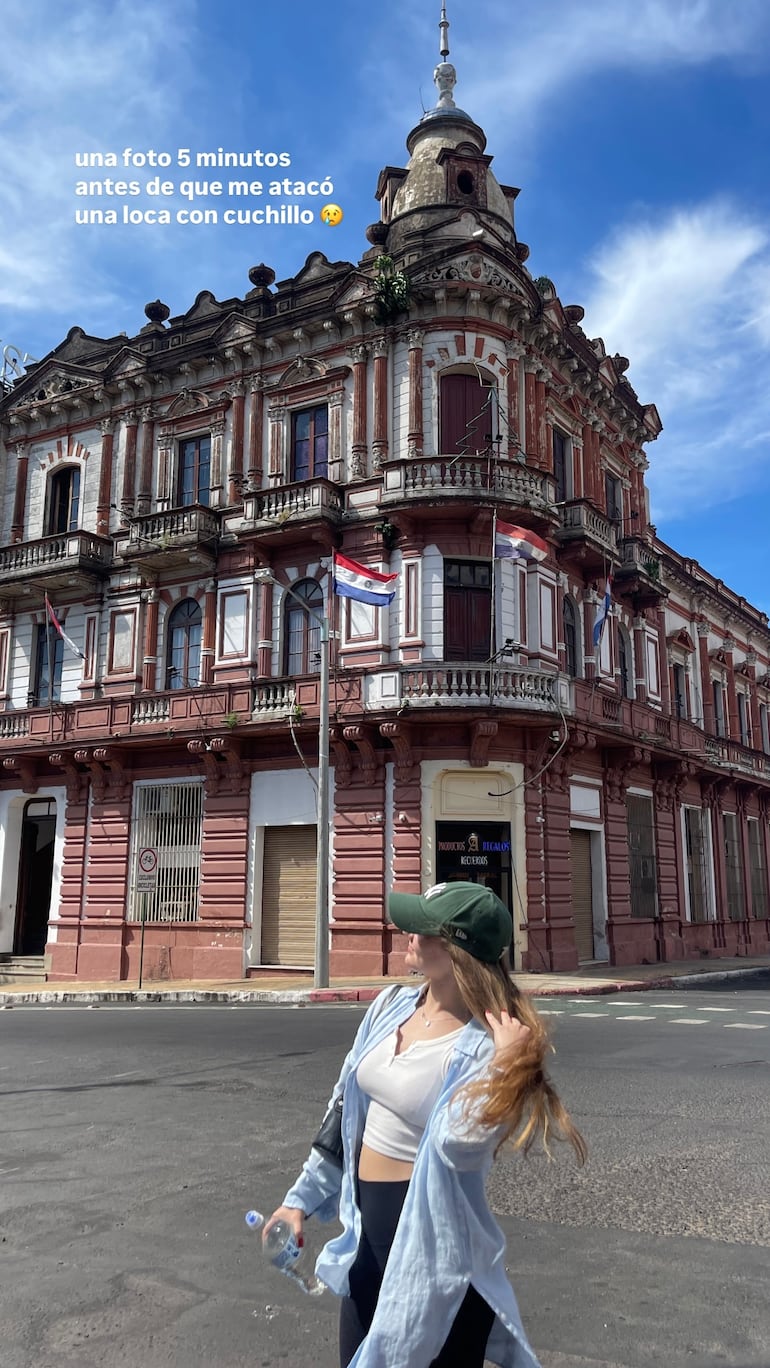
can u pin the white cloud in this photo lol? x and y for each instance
(678, 294)
(74, 80)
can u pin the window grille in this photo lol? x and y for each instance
(168, 820)
(758, 869)
(642, 865)
(736, 907)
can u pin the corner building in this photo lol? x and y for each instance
(618, 801)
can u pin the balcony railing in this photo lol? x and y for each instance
(581, 521)
(475, 685)
(51, 556)
(160, 531)
(302, 501)
(464, 477)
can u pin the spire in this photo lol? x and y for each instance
(443, 29)
(445, 76)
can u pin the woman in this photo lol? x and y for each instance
(439, 1077)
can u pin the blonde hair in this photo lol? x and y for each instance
(517, 1095)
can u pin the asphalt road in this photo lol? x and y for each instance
(132, 1139)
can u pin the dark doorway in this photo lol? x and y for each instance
(38, 828)
(475, 852)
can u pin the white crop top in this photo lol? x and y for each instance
(403, 1088)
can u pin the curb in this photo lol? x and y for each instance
(304, 997)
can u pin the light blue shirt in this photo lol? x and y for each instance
(446, 1237)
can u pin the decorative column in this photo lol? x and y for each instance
(734, 726)
(64, 951)
(276, 416)
(238, 392)
(414, 437)
(756, 724)
(217, 464)
(335, 436)
(165, 467)
(514, 352)
(20, 493)
(640, 659)
(590, 662)
(105, 478)
(256, 414)
(664, 668)
(530, 416)
(589, 464)
(705, 675)
(144, 497)
(558, 875)
(129, 465)
(265, 641)
(359, 453)
(619, 922)
(209, 631)
(544, 455)
(150, 659)
(380, 349)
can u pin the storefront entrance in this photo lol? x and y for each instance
(477, 852)
(33, 902)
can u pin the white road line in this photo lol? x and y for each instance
(548, 1011)
(716, 1009)
(670, 1006)
(579, 1016)
(757, 1011)
(689, 1021)
(744, 1026)
(635, 1018)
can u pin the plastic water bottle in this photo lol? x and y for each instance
(281, 1248)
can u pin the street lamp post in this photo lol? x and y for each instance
(321, 966)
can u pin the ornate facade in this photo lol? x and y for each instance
(157, 788)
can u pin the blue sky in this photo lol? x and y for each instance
(637, 130)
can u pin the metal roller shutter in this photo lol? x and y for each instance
(288, 896)
(582, 898)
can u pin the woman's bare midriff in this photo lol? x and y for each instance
(378, 1168)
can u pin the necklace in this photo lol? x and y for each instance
(428, 1021)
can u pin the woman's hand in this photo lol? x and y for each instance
(293, 1216)
(508, 1033)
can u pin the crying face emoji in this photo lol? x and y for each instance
(331, 214)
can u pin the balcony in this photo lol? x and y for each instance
(289, 509)
(470, 480)
(637, 578)
(469, 685)
(65, 562)
(587, 534)
(174, 538)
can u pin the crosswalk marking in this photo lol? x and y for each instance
(717, 1009)
(635, 1018)
(689, 1021)
(744, 1026)
(578, 1016)
(757, 1011)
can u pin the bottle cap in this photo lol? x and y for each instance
(254, 1219)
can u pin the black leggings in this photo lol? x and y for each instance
(380, 1205)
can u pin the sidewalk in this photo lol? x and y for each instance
(298, 990)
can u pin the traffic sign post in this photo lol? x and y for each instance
(146, 881)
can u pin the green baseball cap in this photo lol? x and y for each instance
(468, 913)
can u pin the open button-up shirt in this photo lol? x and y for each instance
(447, 1237)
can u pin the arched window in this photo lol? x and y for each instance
(571, 639)
(467, 415)
(625, 659)
(63, 501)
(302, 652)
(183, 645)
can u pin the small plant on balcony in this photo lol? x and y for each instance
(392, 291)
(652, 570)
(296, 713)
(389, 533)
(231, 720)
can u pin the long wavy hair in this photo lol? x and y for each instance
(517, 1094)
